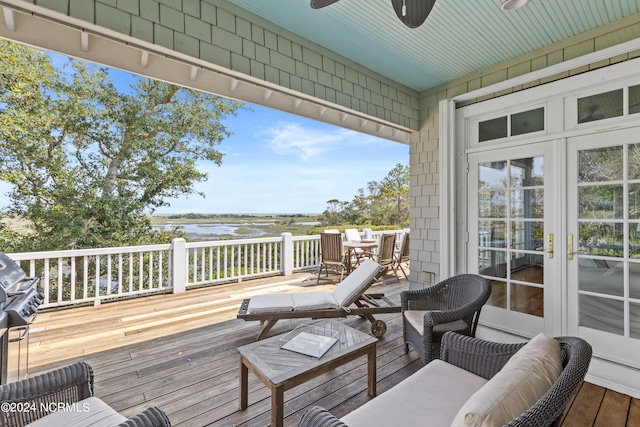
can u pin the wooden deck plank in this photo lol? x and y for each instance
(179, 352)
(613, 411)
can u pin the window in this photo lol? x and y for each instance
(600, 106)
(512, 125)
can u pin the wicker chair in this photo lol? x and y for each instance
(451, 305)
(486, 358)
(67, 386)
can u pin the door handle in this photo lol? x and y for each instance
(550, 245)
(570, 246)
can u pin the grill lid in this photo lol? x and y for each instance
(13, 279)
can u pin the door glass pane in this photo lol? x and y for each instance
(492, 234)
(527, 267)
(599, 238)
(492, 263)
(492, 129)
(602, 164)
(634, 320)
(634, 99)
(602, 313)
(600, 106)
(527, 204)
(527, 172)
(527, 299)
(527, 121)
(527, 235)
(498, 296)
(634, 280)
(605, 277)
(492, 175)
(492, 204)
(634, 240)
(601, 202)
(634, 161)
(634, 203)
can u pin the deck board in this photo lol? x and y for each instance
(179, 352)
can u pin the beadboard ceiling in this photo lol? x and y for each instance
(458, 38)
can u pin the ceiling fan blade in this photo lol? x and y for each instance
(317, 4)
(416, 11)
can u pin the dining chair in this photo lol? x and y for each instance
(352, 234)
(331, 254)
(402, 255)
(385, 256)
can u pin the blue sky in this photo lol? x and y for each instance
(276, 162)
(281, 163)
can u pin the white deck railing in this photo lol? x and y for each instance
(93, 275)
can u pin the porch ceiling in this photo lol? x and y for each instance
(458, 38)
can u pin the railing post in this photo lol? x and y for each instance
(179, 260)
(286, 254)
(368, 233)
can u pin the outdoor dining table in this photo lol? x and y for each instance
(350, 247)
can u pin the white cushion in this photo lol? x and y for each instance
(356, 283)
(88, 412)
(268, 303)
(431, 396)
(313, 301)
(523, 380)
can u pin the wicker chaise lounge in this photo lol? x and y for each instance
(347, 299)
(64, 397)
(474, 382)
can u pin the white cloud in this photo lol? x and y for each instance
(306, 143)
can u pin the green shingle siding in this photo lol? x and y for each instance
(82, 9)
(149, 10)
(129, 6)
(197, 28)
(171, 18)
(226, 40)
(215, 55)
(208, 30)
(187, 45)
(110, 17)
(57, 5)
(142, 29)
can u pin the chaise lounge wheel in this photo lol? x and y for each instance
(378, 328)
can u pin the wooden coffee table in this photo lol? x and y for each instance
(281, 370)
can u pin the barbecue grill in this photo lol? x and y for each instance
(19, 301)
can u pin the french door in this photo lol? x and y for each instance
(603, 275)
(513, 222)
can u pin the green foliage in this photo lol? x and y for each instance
(85, 161)
(385, 203)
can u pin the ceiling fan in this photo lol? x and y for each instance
(412, 13)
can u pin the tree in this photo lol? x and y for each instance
(86, 161)
(384, 203)
(394, 192)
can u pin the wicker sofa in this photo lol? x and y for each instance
(442, 392)
(64, 397)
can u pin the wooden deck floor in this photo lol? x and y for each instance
(178, 352)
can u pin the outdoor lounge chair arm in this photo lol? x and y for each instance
(437, 317)
(483, 358)
(150, 417)
(317, 416)
(422, 299)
